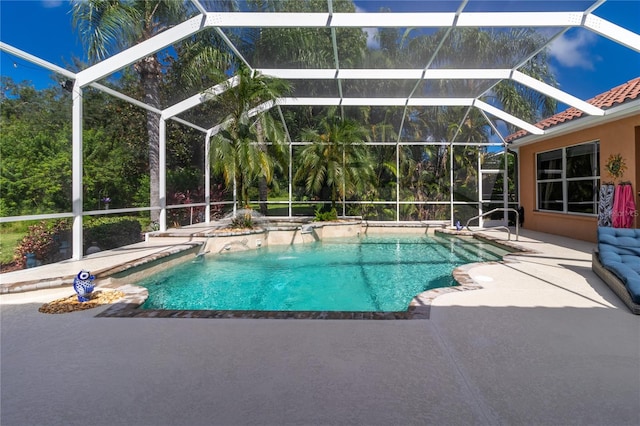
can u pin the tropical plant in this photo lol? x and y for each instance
(239, 150)
(320, 216)
(337, 163)
(244, 221)
(187, 216)
(108, 26)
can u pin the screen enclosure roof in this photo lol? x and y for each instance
(402, 54)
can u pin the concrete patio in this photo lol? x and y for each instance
(544, 342)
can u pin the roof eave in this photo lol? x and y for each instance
(615, 113)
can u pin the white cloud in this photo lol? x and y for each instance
(49, 4)
(372, 33)
(575, 51)
(372, 38)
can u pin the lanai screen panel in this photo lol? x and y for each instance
(445, 61)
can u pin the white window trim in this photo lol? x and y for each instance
(564, 180)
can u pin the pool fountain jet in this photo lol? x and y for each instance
(200, 255)
(203, 251)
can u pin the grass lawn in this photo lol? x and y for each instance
(283, 209)
(8, 243)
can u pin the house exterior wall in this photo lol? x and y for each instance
(616, 137)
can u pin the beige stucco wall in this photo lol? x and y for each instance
(616, 137)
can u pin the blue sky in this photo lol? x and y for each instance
(585, 64)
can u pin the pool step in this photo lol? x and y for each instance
(456, 247)
(471, 249)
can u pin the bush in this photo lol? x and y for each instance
(244, 221)
(44, 240)
(112, 232)
(327, 216)
(180, 217)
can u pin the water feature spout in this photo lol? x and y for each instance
(308, 230)
(203, 250)
(244, 242)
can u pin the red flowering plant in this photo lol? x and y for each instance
(43, 240)
(187, 215)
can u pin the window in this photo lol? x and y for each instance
(568, 179)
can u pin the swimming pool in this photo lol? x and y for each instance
(372, 273)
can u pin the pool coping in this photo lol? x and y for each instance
(419, 308)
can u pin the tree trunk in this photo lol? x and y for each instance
(150, 71)
(263, 190)
(240, 186)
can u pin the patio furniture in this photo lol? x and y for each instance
(617, 262)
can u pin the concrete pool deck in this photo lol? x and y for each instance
(544, 342)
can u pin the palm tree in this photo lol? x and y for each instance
(338, 161)
(239, 150)
(108, 26)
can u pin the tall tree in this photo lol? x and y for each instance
(238, 150)
(109, 26)
(338, 160)
(35, 166)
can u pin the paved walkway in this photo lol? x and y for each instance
(102, 263)
(545, 342)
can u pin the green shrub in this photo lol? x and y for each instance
(327, 216)
(242, 222)
(44, 240)
(112, 232)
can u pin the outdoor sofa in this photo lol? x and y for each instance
(617, 262)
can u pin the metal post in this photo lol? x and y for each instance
(162, 179)
(505, 187)
(290, 178)
(398, 180)
(76, 192)
(479, 187)
(344, 185)
(207, 177)
(451, 183)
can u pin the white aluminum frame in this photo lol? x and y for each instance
(221, 20)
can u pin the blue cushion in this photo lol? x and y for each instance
(620, 253)
(631, 262)
(621, 270)
(633, 285)
(608, 255)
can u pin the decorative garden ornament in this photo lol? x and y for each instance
(83, 285)
(615, 166)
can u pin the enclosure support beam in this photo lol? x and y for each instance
(479, 175)
(613, 32)
(398, 179)
(505, 185)
(76, 179)
(290, 186)
(162, 170)
(452, 210)
(207, 178)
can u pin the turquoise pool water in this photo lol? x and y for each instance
(379, 273)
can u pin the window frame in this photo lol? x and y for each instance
(565, 181)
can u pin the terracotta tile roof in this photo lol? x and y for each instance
(616, 96)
